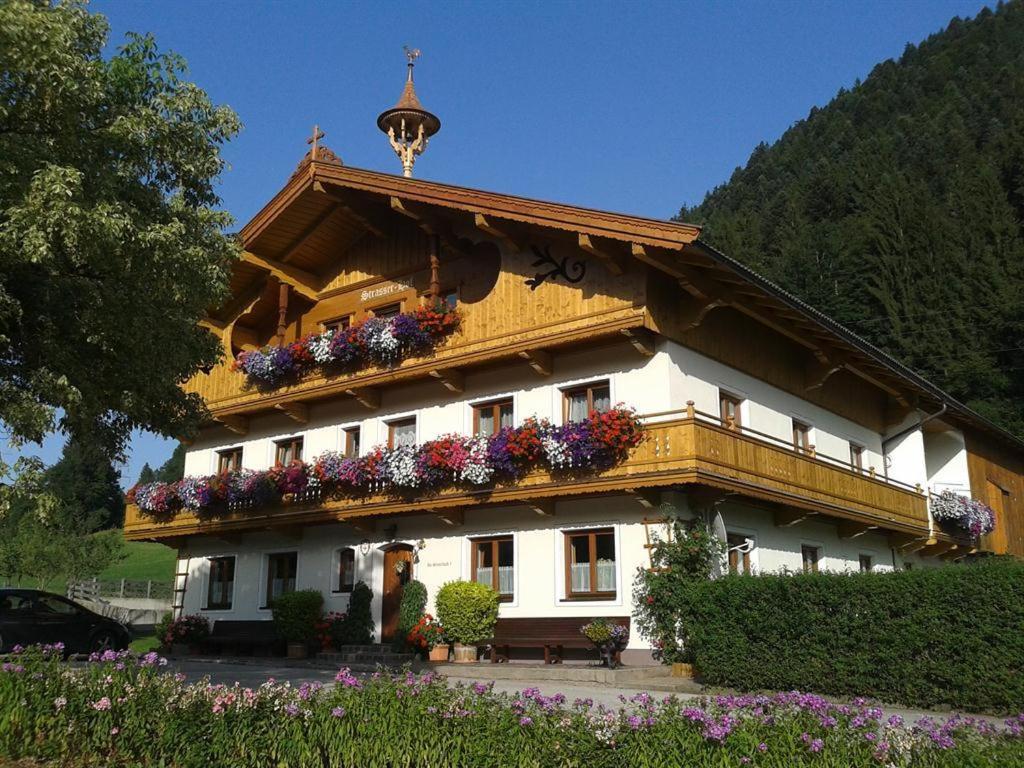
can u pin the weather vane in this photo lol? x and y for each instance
(408, 125)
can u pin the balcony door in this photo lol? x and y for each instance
(397, 573)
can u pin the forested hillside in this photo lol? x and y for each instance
(898, 210)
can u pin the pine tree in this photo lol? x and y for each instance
(87, 485)
(173, 469)
(899, 210)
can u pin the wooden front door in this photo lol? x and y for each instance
(395, 579)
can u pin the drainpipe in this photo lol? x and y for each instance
(901, 433)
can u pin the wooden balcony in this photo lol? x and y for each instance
(683, 449)
(227, 394)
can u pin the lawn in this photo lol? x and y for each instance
(144, 561)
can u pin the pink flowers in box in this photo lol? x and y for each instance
(380, 341)
(596, 443)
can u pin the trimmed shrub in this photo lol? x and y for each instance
(296, 615)
(357, 626)
(467, 611)
(410, 611)
(952, 635)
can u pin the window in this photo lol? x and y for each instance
(590, 564)
(866, 564)
(489, 418)
(402, 432)
(346, 569)
(352, 442)
(580, 401)
(221, 586)
(908, 566)
(739, 553)
(857, 457)
(389, 310)
(729, 409)
(14, 603)
(287, 451)
(281, 568)
(493, 564)
(338, 324)
(811, 556)
(801, 436)
(51, 604)
(229, 460)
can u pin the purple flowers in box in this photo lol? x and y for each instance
(974, 517)
(381, 341)
(597, 443)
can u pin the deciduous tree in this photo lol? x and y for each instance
(111, 239)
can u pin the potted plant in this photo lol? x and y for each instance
(428, 635)
(186, 634)
(467, 611)
(608, 637)
(296, 616)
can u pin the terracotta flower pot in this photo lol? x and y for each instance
(465, 654)
(297, 650)
(439, 652)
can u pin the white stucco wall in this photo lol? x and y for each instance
(444, 554)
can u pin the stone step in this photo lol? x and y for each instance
(369, 659)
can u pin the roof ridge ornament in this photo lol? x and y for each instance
(408, 125)
(318, 153)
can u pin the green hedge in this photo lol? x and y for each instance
(296, 614)
(952, 635)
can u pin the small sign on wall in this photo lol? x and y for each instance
(385, 290)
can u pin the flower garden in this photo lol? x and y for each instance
(377, 340)
(596, 443)
(123, 710)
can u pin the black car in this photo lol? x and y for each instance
(29, 617)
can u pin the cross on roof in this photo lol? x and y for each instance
(314, 141)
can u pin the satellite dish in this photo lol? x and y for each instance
(717, 529)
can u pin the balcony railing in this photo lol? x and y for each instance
(680, 448)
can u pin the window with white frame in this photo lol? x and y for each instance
(220, 585)
(740, 547)
(281, 571)
(346, 570)
(494, 564)
(590, 568)
(351, 439)
(402, 432)
(579, 402)
(810, 554)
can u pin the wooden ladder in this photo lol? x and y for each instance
(180, 584)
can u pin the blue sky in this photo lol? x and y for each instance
(633, 107)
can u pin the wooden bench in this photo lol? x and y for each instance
(251, 635)
(554, 635)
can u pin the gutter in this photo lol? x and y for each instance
(912, 427)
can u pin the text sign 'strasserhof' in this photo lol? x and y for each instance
(384, 290)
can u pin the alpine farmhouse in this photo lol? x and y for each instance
(815, 449)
